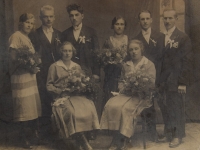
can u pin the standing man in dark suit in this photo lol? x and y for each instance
(83, 38)
(152, 50)
(174, 77)
(46, 41)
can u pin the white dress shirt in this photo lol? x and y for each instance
(48, 32)
(168, 34)
(147, 34)
(77, 31)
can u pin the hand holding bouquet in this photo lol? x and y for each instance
(76, 82)
(138, 83)
(112, 56)
(28, 60)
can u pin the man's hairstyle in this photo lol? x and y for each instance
(115, 20)
(67, 43)
(72, 7)
(46, 7)
(23, 18)
(175, 13)
(144, 11)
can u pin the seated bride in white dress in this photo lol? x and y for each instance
(73, 114)
(121, 111)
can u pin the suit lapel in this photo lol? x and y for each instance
(143, 39)
(172, 37)
(43, 37)
(54, 36)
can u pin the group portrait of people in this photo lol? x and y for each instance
(53, 74)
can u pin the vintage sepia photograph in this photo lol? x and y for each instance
(99, 74)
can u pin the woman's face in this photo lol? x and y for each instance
(67, 52)
(27, 26)
(119, 26)
(135, 51)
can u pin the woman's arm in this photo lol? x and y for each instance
(151, 71)
(51, 79)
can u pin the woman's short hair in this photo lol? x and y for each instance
(140, 43)
(44, 8)
(23, 18)
(72, 7)
(67, 43)
(115, 20)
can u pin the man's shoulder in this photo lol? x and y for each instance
(57, 31)
(181, 33)
(68, 30)
(156, 33)
(138, 36)
(88, 30)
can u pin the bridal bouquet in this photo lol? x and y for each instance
(27, 59)
(76, 82)
(112, 56)
(138, 84)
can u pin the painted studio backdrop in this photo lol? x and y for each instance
(99, 14)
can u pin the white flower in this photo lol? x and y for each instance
(82, 39)
(175, 45)
(170, 42)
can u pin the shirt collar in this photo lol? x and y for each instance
(170, 31)
(77, 27)
(146, 32)
(47, 30)
(61, 64)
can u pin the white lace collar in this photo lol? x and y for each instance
(61, 64)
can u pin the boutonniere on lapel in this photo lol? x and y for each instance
(153, 41)
(82, 39)
(173, 43)
(57, 40)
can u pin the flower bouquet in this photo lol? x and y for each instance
(138, 83)
(112, 56)
(27, 59)
(76, 82)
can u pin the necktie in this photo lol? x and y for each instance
(166, 38)
(146, 36)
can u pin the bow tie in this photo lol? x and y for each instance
(76, 28)
(49, 30)
(145, 33)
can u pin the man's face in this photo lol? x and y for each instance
(169, 19)
(145, 20)
(76, 17)
(47, 18)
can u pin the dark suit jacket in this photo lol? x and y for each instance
(46, 49)
(176, 61)
(85, 51)
(153, 50)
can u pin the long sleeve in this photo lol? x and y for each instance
(51, 78)
(151, 71)
(186, 56)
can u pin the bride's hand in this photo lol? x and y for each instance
(115, 93)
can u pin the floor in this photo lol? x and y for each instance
(10, 140)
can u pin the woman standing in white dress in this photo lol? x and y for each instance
(26, 100)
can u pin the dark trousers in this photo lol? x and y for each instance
(173, 114)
